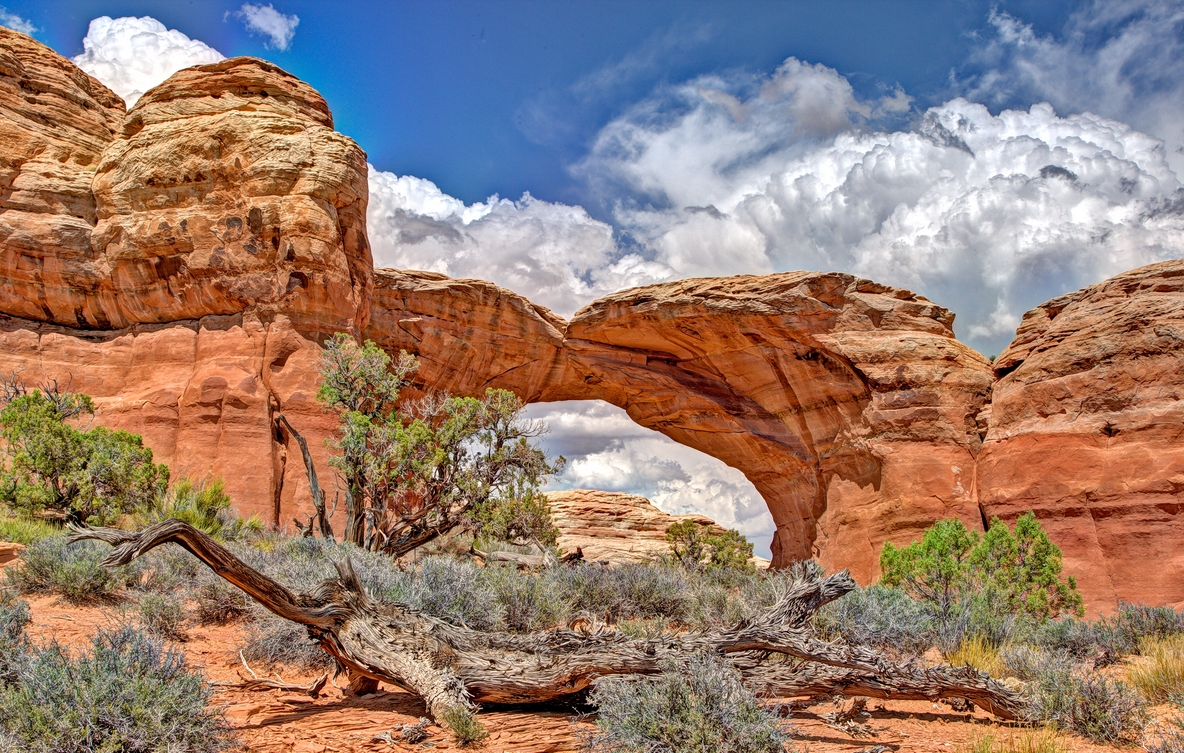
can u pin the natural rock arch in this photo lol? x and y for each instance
(849, 405)
(181, 262)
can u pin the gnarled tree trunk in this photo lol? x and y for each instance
(452, 667)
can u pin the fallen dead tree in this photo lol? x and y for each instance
(451, 668)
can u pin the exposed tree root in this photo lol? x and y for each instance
(452, 667)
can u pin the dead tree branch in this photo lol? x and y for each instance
(450, 666)
(314, 485)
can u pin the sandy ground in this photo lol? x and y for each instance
(283, 722)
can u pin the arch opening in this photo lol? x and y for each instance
(607, 450)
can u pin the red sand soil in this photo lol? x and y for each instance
(284, 722)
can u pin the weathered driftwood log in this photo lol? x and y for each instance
(450, 667)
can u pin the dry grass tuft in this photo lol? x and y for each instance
(978, 653)
(1044, 740)
(1158, 672)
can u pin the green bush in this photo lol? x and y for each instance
(93, 476)
(1011, 572)
(695, 545)
(127, 694)
(419, 469)
(464, 726)
(702, 705)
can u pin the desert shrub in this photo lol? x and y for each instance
(1077, 638)
(205, 506)
(127, 693)
(219, 603)
(1014, 572)
(168, 569)
(1158, 672)
(695, 545)
(616, 593)
(72, 571)
(1106, 640)
(454, 591)
(14, 644)
(1099, 707)
(25, 530)
(92, 476)
(879, 616)
(1165, 735)
(1027, 662)
(1131, 624)
(526, 602)
(163, 615)
(693, 707)
(273, 640)
(464, 726)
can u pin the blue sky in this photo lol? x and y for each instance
(484, 97)
(988, 155)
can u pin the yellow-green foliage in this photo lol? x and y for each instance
(464, 725)
(25, 530)
(1045, 740)
(203, 505)
(1158, 672)
(977, 652)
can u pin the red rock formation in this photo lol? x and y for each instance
(848, 404)
(224, 190)
(180, 263)
(1086, 424)
(617, 528)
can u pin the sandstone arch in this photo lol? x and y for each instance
(847, 404)
(182, 261)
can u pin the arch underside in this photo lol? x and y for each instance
(845, 403)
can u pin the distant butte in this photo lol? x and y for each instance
(181, 263)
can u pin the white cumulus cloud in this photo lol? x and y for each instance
(15, 22)
(132, 55)
(1120, 60)
(554, 254)
(279, 28)
(987, 214)
(606, 450)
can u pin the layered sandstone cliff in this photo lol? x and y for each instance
(1087, 429)
(182, 261)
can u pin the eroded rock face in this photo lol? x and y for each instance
(55, 122)
(180, 263)
(1086, 425)
(616, 528)
(224, 190)
(203, 394)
